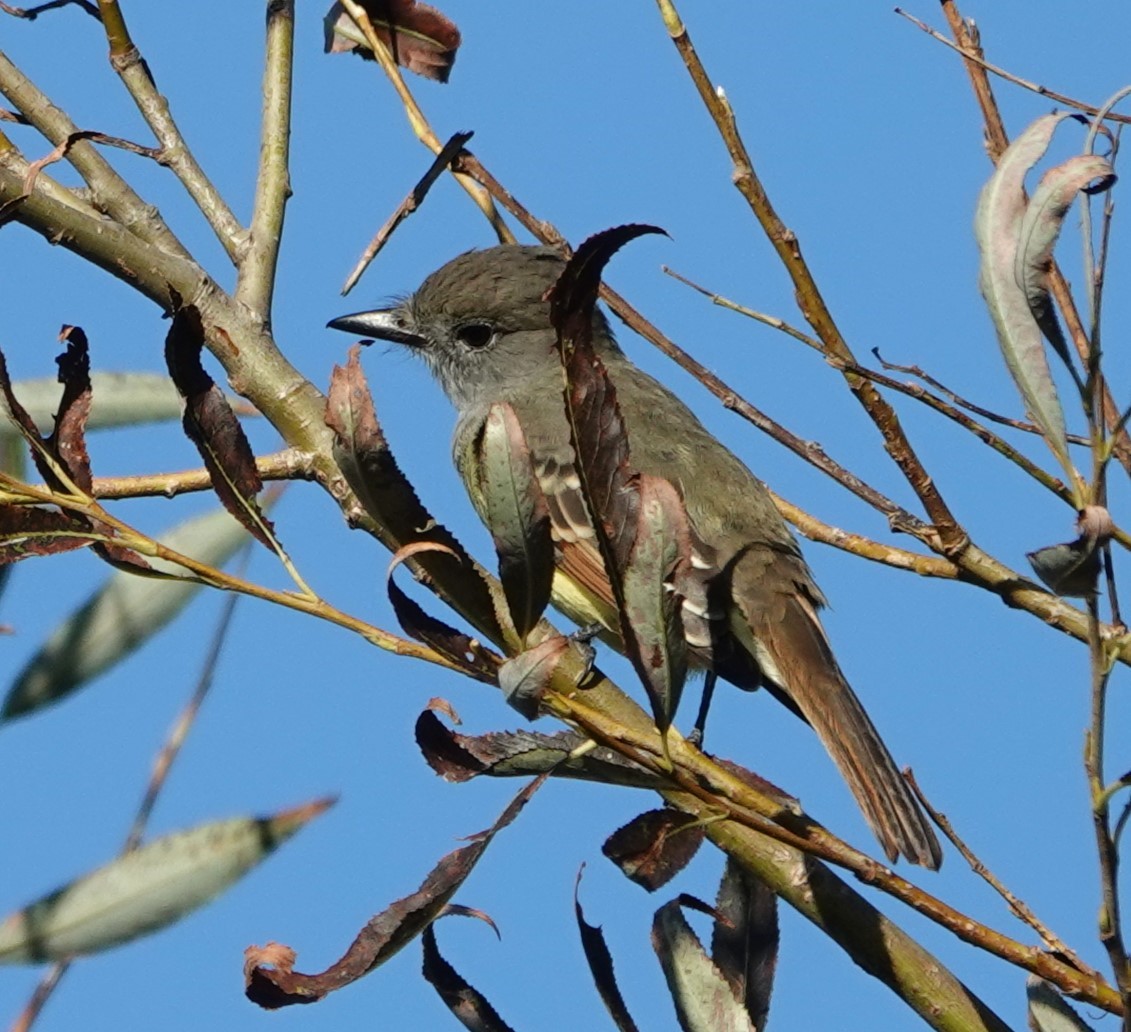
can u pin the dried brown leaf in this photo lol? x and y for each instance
(655, 846)
(212, 426)
(277, 984)
(371, 470)
(474, 658)
(468, 1004)
(420, 38)
(600, 962)
(510, 754)
(29, 530)
(744, 944)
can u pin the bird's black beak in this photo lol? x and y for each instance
(383, 324)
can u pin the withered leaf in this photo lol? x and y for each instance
(271, 980)
(1073, 568)
(518, 516)
(371, 470)
(600, 962)
(457, 757)
(29, 530)
(474, 658)
(68, 439)
(597, 429)
(744, 943)
(655, 846)
(420, 38)
(525, 678)
(467, 1003)
(212, 426)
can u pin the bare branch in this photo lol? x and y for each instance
(257, 266)
(411, 202)
(109, 191)
(127, 61)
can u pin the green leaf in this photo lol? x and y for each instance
(997, 226)
(654, 637)
(704, 1000)
(1048, 1011)
(148, 889)
(120, 617)
(518, 516)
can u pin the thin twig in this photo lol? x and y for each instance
(952, 538)
(419, 123)
(110, 193)
(965, 403)
(163, 764)
(255, 285)
(866, 548)
(31, 13)
(1018, 906)
(288, 464)
(979, 59)
(996, 143)
(1110, 920)
(403, 210)
(126, 60)
(911, 390)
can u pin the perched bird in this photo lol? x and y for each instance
(482, 324)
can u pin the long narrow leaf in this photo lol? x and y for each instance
(997, 226)
(120, 617)
(147, 889)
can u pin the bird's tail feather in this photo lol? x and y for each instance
(790, 645)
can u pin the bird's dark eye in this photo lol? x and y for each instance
(475, 335)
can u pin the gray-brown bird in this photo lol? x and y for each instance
(482, 324)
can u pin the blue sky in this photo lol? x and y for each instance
(866, 135)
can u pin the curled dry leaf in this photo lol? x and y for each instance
(68, 438)
(212, 426)
(30, 530)
(510, 754)
(744, 943)
(274, 985)
(1040, 228)
(655, 846)
(420, 38)
(525, 678)
(1073, 568)
(600, 962)
(475, 659)
(467, 1003)
(364, 457)
(641, 551)
(147, 889)
(1015, 240)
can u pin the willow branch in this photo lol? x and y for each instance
(288, 464)
(419, 123)
(911, 390)
(952, 537)
(255, 286)
(977, 57)
(997, 141)
(126, 60)
(110, 193)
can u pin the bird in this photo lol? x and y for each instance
(482, 324)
